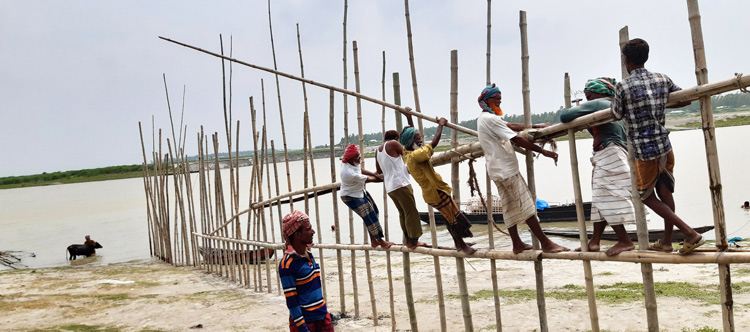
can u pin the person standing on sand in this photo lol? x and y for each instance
(495, 136)
(356, 197)
(611, 201)
(641, 99)
(390, 163)
(300, 277)
(435, 191)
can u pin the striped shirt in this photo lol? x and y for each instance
(640, 99)
(300, 278)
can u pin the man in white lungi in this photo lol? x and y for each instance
(495, 136)
(611, 199)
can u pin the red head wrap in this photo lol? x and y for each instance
(291, 223)
(351, 151)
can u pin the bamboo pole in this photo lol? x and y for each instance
(406, 262)
(412, 65)
(589, 279)
(488, 182)
(351, 215)
(368, 269)
(538, 269)
(191, 210)
(227, 127)
(339, 261)
(397, 101)
(712, 160)
(403, 110)
(268, 182)
(281, 112)
(438, 273)
(321, 258)
(385, 214)
(647, 270)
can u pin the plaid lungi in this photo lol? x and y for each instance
(611, 198)
(365, 207)
(517, 204)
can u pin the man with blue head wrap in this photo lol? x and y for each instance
(611, 201)
(435, 191)
(495, 136)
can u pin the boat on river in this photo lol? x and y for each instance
(477, 214)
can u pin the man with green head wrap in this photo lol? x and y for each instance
(611, 201)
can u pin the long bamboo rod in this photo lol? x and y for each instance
(332, 158)
(321, 258)
(538, 269)
(227, 126)
(403, 110)
(436, 266)
(647, 270)
(397, 101)
(385, 216)
(712, 159)
(281, 112)
(588, 277)
(355, 288)
(488, 181)
(412, 65)
(268, 183)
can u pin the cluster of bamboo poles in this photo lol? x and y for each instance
(216, 244)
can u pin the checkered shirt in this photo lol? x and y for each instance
(640, 99)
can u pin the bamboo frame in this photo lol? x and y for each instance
(335, 202)
(385, 215)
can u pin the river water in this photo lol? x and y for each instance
(45, 220)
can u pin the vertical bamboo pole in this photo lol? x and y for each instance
(281, 112)
(397, 101)
(321, 258)
(268, 182)
(460, 268)
(385, 216)
(346, 80)
(408, 292)
(647, 270)
(351, 231)
(227, 124)
(413, 67)
(438, 273)
(362, 165)
(191, 210)
(334, 199)
(589, 279)
(712, 160)
(539, 272)
(488, 182)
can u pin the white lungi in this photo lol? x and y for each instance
(611, 198)
(517, 204)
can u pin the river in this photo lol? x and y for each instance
(45, 220)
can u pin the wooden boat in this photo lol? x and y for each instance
(219, 255)
(477, 214)
(610, 235)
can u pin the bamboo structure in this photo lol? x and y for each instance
(215, 244)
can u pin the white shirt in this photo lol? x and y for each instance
(494, 137)
(394, 170)
(352, 181)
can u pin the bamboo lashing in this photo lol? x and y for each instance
(403, 110)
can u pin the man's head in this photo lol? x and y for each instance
(635, 52)
(297, 228)
(410, 139)
(490, 98)
(602, 87)
(390, 135)
(351, 155)
(88, 237)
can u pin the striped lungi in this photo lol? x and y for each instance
(611, 198)
(517, 204)
(458, 225)
(365, 207)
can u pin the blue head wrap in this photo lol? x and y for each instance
(407, 136)
(488, 92)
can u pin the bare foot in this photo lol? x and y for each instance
(553, 248)
(592, 247)
(414, 245)
(517, 249)
(385, 244)
(467, 249)
(470, 244)
(619, 247)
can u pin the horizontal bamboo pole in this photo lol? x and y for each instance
(404, 110)
(634, 256)
(605, 115)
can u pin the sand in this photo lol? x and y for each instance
(155, 296)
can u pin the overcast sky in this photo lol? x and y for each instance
(76, 77)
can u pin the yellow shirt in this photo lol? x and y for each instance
(420, 167)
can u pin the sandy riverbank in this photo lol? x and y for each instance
(159, 297)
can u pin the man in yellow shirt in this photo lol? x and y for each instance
(435, 191)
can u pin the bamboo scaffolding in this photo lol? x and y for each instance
(538, 269)
(268, 182)
(400, 109)
(588, 277)
(436, 266)
(373, 304)
(385, 215)
(233, 203)
(712, 159)
(355, 288)
(281, 112)
(321, 258)
(397, 101)
(412, 65)
(339, 262)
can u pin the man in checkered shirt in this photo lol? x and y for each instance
(641, 99)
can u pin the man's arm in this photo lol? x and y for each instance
(289, 284)
(439, 132)
(371, 177)
(377, 164)
(409, 120)
(521, 126)
(522, 142)
(393, 150)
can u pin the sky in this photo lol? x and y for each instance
(77, 77)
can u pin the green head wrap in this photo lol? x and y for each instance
(407, 136)
(603, 85)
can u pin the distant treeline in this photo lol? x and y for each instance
(104, 173)
(731, 101)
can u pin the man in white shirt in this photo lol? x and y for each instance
(495, 136)
(354, 195)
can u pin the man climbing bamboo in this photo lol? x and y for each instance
(356, 197)
(495, 136)
(611, 201)
(435, 191)
(390, 164)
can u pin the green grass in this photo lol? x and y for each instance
(84, 175)
(729, 122)
(701, 329)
